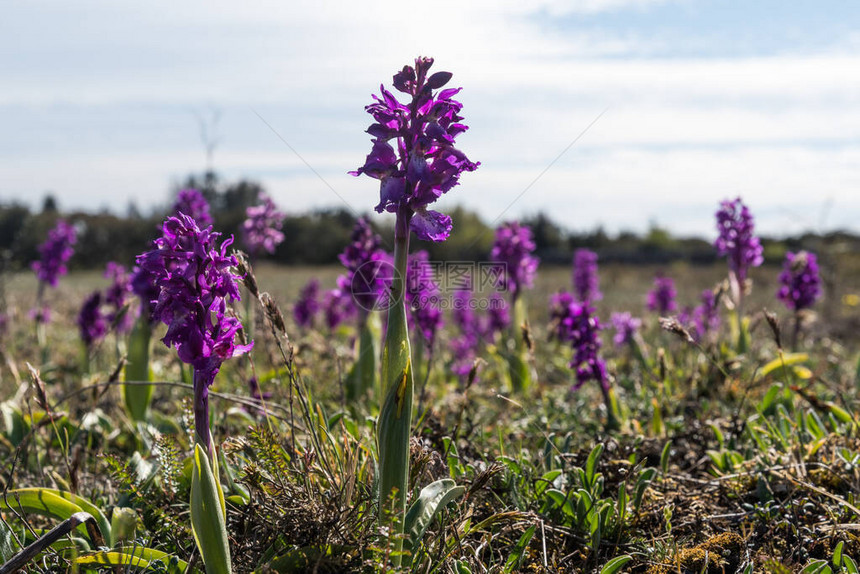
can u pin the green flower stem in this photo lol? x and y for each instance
(41, 326)
(208, 507)
(612, 418)
(518, 361)
(363, 376)
(395, 417)
(137, 398)
(638, 346)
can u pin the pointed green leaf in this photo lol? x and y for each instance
(516, 555)
(591, 463)
(138, 397)
(54, 503)
(135, 556)
(787, 360)
(433, 497)
(207, 516)
(616, 564)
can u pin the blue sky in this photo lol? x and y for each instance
(703, 100)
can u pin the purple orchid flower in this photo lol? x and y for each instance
(626, 327)
(91, 320)
(196, 284)
(661, 299)
(586, 282)
(306, 308)
(57, 249)
(736, 238)
(423, 297)
(413, 154)
(800, 281)
(117, 296)
(513, 248)
(192, 203)
(261, 231)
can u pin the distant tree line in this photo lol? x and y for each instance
(317, 237)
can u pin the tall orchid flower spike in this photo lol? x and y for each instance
(414, 158)
(743, 250)
(54, 253)
(196, 282)
(367, 278)
(513, 250)
(800, 286)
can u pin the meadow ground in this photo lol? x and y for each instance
(726, 459)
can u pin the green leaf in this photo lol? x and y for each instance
(591, 463)
(616, 564)
(8, 548)
(547, 480)
(135, 556)
(837, 555)
(769, 397)
(519, 550)
(841, 414)
(433, 497)
(207, 515)
(857, 375)
(461, 567)
(664, 457)
(87, 506)
(393, 429)
(642, 483)
(776, 366)
(849, 564)
(55, 504)
(621, 503)
(137, 398)
(519, 369)
(816, 567)
(17, 426)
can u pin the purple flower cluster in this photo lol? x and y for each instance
(262, 230)
(192, 203)
(661, 299)
(463, 312)
(368, 268)
(576, 323)
(736, 239)
(54, 253)
(91, 320)
(498, 316)
(706, 316)
(559, 309)
(800, 283)
(465, 345)
(423, 296)
(413, 154)
(513, 248)
(143, 284)
(338, 305)
(626, 327)
(196, 283)
(40, 314)
(306, 308)
(586, 282)
(117, 296)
